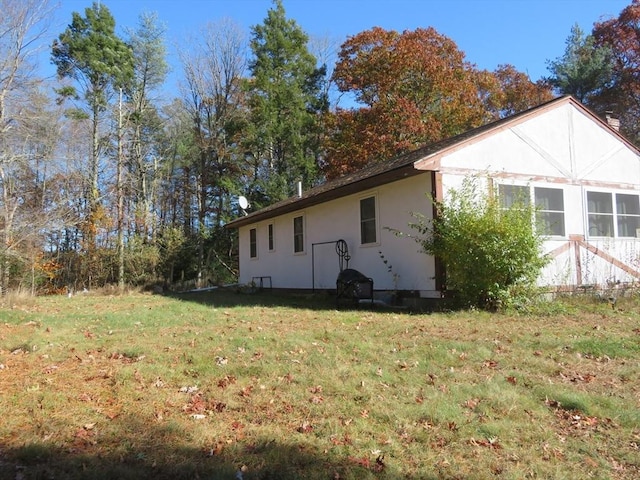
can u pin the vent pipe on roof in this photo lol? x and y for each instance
(299, 189)
(612, 121)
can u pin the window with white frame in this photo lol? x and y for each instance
(613, 215)
(270, 233)
(550, 210)
(600, 213)
(298, 234)
(628, 215)
(368, 229)
(253, 243)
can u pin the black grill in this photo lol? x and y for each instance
(353, 286)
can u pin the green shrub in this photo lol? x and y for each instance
(491, 253)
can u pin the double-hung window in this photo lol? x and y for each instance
(600, 212)
(628, 215)
(549, 204)
(550, 210)
(298, 234)
(368, 228)
(612, 215)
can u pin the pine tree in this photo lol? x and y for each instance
(90, 53)
(584, 69)
(286, 100)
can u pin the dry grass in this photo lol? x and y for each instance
(225, 385)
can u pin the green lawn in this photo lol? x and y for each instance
(227, 385)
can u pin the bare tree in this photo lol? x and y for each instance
(23, 24)
(214, 69)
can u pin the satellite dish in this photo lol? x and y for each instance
(244, 204)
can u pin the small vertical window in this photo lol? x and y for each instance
(298, 234)
(253, 243)
(550, 214)
(368, 233)
(600, 210)
(270, 235)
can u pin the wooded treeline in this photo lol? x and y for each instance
(107, 180)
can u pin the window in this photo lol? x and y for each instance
(600, 210)
(298, 234)
(253, 243)
(368, 220)
(609, 218)
(270, 234)
(550, 214)
(513, 194)
(628, 215)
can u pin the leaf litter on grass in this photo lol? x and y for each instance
(356, 394)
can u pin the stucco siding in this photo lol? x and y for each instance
(566, 150)
(318, 266)
(564, 145)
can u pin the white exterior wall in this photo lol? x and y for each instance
(340, 219)
(565, 149)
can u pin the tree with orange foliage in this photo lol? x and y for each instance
(413, 88)
(516, 92)
(622, 36)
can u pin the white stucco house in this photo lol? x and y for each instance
(578, 169)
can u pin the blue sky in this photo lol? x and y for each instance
(523, 33)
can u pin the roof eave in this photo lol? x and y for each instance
(310, 198)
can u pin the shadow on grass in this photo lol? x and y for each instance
(231, 297)
(321, 300)
(159, 453)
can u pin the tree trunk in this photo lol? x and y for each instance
(120, 200)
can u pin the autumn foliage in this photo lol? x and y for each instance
(622, 36)
(414, 88)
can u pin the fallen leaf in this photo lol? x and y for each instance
(306, 427)
(472, 403)
(226, 381)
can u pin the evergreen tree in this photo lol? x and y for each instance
(584, 69)
(90, 53)
(286, 100)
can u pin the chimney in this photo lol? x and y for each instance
(613, 121)
(299, 189)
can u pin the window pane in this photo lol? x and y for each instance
(550, 216)
(271, 236)
(368, 208)
(628, 226)
(600, 225)
(599, 202)
(298, 235)
(368, 220)
(513, 194)
(627, 204)
(368, 232)
(253, 245)
(551, 223)
(549, 199)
